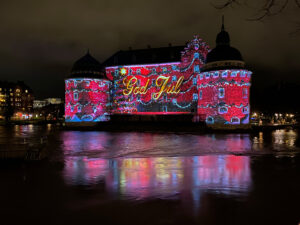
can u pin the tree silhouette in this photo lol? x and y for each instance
(266, 9)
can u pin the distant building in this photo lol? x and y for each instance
(39, 104)
(16, 100)
(53, 101)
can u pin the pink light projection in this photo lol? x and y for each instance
(159, 88)
(224, 96)
(87, 100)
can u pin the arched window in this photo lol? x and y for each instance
(210, 120)
(235, 120)
(223, 109)
(245, 110)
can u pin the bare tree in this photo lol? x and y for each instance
(268, 7)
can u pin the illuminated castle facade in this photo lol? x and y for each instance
(211, 86)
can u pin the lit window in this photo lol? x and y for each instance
(153, 81)
(195, 81)
(243, 74)
(235, 120)
(174, 78)
(224, 73)
(26, 91)
(234, 73)
(75, 96)
(165, 108)
(223, 109)
(116, 72)
(196, 69)
(95, 109)
(200, 94)
(221, 92)
(245, 110)
(210, 120)
(216, 74)
(195, 97)
(207, 75)
(153, 70)
(245, 93)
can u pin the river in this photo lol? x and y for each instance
(95, 177)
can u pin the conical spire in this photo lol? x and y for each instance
(222, 28)
(223, 36)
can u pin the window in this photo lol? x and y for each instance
(216, 74)
(196, 69)
(210, 120)
(75, 96)
(235, 120)
(221, 92)
(195, 81)
(207, 75)
(138, 71)
(174, 78)
(79, 109)
(224, 73)
(201, 76)
(195, 97)
(245, 110)
(153, 70)
(153, 82)
(243, 74)
(234, 73)
(94, 109)
(245, 92)
(200, 94)
(164, 69)
(165, 108)
(223, 109)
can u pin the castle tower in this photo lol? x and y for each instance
(224, 86)
(87, 93)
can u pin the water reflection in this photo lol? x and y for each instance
(162, 177)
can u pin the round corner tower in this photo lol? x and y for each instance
(224, 86)
(87, 92)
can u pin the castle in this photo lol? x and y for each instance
(208, 85)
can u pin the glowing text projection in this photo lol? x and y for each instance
(162, 83)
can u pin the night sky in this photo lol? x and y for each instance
(40, 40)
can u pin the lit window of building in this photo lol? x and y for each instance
(221, 92)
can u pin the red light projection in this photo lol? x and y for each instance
(224, 96)
(159, 88)
(87, 100)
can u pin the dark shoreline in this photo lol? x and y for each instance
(152, 126)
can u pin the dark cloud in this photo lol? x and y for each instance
(41, 39)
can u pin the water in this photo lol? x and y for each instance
(153, 178)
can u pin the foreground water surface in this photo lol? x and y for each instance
(152, 178)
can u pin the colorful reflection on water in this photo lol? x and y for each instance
(162, 177)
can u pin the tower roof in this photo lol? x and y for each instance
(87, 66)
(223, 51)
